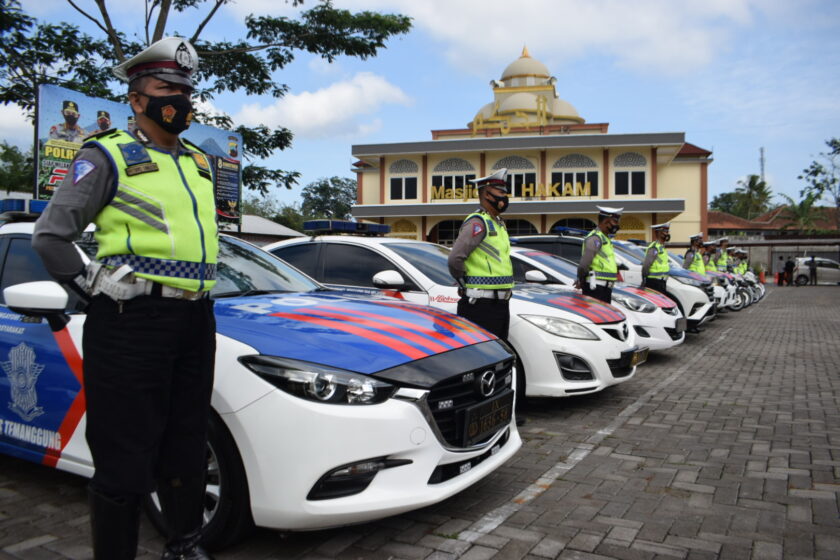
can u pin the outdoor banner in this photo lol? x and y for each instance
(67, 117)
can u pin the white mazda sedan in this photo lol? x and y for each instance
(567, 343)
(328, 408)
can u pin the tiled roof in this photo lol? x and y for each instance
(689, 149)
(773, 220)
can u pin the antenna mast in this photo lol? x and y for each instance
(761, 161)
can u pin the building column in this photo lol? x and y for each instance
(482, 164)
(543, 223)
(359, 187)
(606, 182)
(423, 227)
(653, 172)
(543, 177)
(425, 178)
(704, 198)
(382, 180)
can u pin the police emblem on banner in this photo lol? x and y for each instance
(22, 372)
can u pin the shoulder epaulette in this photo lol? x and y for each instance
(102, 134)
(192, 146)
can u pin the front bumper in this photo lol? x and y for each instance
(288, 444)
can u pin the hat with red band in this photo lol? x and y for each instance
(497, 180)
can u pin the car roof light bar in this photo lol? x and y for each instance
(338, 227)
(21, 209)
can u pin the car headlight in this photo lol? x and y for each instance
(319, 383)
(561, 327)
(689, 281)
(633, 303)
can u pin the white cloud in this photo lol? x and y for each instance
(15, 128)
(331, 111)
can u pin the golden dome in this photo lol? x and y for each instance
(525, 66)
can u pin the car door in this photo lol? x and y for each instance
(828, 272)
(41, 396)
(352, 268)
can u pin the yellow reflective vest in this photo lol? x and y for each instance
(603, 264)
(489, 267)
(161, 220)
(660, 266)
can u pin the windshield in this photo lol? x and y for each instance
(633, 252)
(428, 258)
(558, 264)
(244, 268)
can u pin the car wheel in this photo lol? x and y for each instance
(227, 507)
(801, 280)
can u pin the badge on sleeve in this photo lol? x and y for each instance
(598, 243)
(81, 169)
(477, 229)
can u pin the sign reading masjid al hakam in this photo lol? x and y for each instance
(557, 190)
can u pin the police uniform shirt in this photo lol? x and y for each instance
(650, 256)
(470, 236)
(689, 257)
(84, 192)
(591, 246)
(73, 134)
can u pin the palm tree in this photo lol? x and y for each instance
(755, 196)
(802, 215)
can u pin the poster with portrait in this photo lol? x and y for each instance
(67, 117)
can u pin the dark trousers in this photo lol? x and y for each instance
(657, 284)
(813, 277)
(600, 292)
(491, 314)
(148, 372)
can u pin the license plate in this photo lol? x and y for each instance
(682, 324)
(486, 418)
(639, 357)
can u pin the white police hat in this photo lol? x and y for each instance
(710, 243)
(733, 249)
(172, 59)
(697, 236)
(496, 179)
(722, 239)
(666, 225)
(608, 212)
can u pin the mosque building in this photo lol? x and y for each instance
(559, 169)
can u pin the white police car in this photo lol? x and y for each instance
(328, 408)
(655, 318)
(567, 343)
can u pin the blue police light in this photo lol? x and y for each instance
(21, 208)
(345, 226)
(570, 230)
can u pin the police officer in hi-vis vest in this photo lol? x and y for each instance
(710, 255)
(597, 270)
(480, 259)
(693, 259)
(149, 337)
(722, 256)
(656, 265)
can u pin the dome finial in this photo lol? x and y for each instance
(525, 52)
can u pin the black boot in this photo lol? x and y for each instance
(115, 523)
(182, 504)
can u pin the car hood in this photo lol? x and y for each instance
(363, 334)
(574, 303)
(652, 296)
(674, 271)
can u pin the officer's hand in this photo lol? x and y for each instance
(577, 284)
(462, 292)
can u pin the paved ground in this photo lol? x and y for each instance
(728, 447)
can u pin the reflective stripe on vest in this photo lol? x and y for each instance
(162, 219)
(722, 261)
(660, 266)
(603, 264)
(489, 266)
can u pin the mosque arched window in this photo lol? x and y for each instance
(574, 175)
(520, 227)
(630, 173)
(450, 176)
(403, 179)
(521, 181)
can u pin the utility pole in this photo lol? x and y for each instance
(761, 162)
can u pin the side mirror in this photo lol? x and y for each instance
(39, 299)
(623, 266)
(537, 276)
(389, 280)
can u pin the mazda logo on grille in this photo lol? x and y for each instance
(487, 383)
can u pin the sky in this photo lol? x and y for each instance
(734, 75)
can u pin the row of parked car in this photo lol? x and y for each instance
(346, 389)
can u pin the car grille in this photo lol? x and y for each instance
(618, 332)
(449, 399)
(621, 367)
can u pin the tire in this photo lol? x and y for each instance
(738, 305)
(521, 385)
(227, 509)
(802, 280)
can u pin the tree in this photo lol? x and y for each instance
(288, 215)
(729, 202)
(33, 53)
(329, 198)
(755, 196)
(17, 169)
(823, 177)
(802, 214)
(291, 217)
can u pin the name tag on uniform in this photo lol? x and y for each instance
(139, 168)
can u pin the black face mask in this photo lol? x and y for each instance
(173, 113)
(614, 229)
(70, 120)
(667, 237)
(500, 203)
